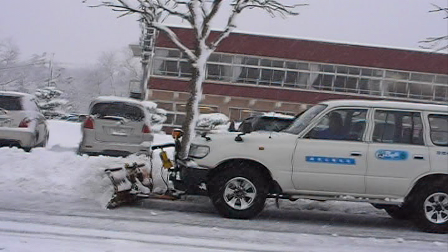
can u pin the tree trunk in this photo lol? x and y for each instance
(192, 108)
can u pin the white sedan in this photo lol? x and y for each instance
(21, 122)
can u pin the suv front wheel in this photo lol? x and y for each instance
(238, 192)
(431, 209)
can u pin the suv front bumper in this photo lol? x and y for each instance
(189, 178)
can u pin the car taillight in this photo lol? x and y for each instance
(89, 123)
(146, 129)
(24, 123)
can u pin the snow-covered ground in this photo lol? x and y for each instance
(53, 200)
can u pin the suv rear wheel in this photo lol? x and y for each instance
(238, 192)
(431, 209)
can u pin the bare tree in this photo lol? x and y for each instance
(109, 64)
(198, 14)
(439, 43)
(9, 52)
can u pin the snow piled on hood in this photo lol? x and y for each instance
(57, 170)
(278, 115)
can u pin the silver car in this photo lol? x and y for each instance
(116, 126)
(21, 122)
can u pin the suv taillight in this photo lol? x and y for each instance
(24, 123)
(146, 129)
(89, 123)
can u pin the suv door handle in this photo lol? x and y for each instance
(420, 157)
(356, 154)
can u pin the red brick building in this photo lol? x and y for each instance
(253, 73)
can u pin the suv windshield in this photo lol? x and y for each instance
(118, 109)
(304, 119)
(10, 102)
(269, 123)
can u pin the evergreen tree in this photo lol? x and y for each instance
(50, 102)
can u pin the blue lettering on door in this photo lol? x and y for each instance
(392, 155)
(331, 160)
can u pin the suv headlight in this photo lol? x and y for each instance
(198, 151)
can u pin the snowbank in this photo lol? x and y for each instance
(57, 170)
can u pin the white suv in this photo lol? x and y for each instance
(117, 127)
(391, 154)
(21, 122)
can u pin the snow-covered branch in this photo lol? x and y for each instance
(440, 9)
(439, 43)
(152, 12)
(271, 6)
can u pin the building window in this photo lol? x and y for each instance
(219, 72)
(185, 69)
(249, 75)
(180, 119)
(168, 106)
(441, 93)
(396, 88)
(265, 71)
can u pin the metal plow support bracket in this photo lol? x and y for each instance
(122, 187)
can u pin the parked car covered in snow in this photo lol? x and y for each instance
(74, 117)
(393, 155)
(116, 126)
(21, 122)
(211, 122)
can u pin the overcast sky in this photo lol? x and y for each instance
(77, 34)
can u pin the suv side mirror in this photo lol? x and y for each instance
(246, 127)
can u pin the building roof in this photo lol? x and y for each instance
(321, 51)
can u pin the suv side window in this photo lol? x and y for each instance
(439, 129)
(398, 127)
(341, 124)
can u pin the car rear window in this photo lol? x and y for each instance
(10, 102)
(118, 109)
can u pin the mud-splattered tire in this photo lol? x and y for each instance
(399, 213)
(239, 191)
(431, 208)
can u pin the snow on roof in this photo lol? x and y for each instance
(243, 32)
(387, 104)
(341, 42)
(116, 99)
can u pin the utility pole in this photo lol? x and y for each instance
(147, 42)
(50, 79)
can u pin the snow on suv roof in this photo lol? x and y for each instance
(116, 99)
(12, 93)
(387, 104)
